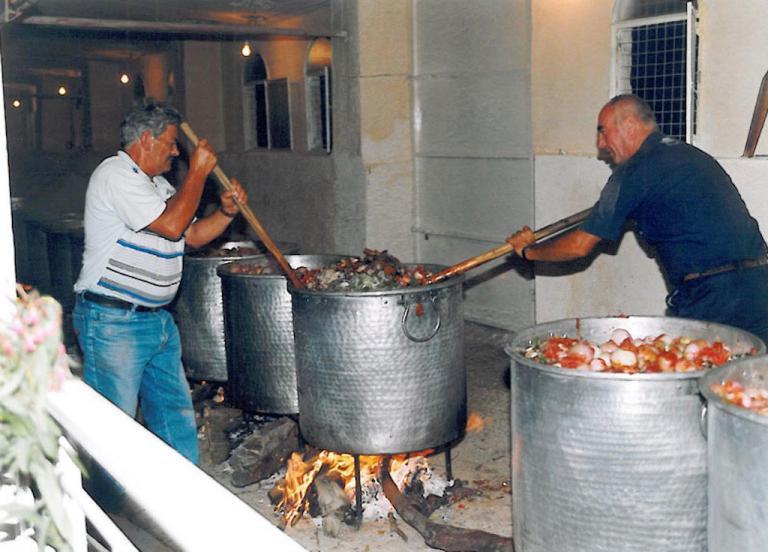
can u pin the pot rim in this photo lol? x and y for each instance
(513, 351)
(225, 269)
(715, 400)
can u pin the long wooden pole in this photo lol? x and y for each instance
(758, 119)
(248, 214)
(545, 232)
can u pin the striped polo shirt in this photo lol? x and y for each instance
(122, 259)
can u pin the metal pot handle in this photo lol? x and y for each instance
(434, 330)
(703, 420)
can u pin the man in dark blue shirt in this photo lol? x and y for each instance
(685, 206)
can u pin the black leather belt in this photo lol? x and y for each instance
(730, 267)
(116, 303)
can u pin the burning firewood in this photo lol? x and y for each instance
(291, 495)
(436, 535)
(328, 501)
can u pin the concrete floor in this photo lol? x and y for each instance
(481, 459)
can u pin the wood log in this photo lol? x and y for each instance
(437, 535)
(264, 452)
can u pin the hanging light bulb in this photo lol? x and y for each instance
(62, 90)
(16, 103)
(124, 78)
(246, 51)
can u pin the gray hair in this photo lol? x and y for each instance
(637, 106)
(153, 118)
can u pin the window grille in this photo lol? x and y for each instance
(655, 58)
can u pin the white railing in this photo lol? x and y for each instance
(192, 509)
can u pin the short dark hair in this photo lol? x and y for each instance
(154, 118)
(638, 106)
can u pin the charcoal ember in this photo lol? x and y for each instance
(264, 451)
(249, 423)
(373, 271)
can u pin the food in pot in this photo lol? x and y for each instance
(253, 269)
(734, 392)
(624, 354)
(374, 271)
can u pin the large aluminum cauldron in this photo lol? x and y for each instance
(258, 331)
(198, 308)
(381, 372)
(603, 461)
(737, 448)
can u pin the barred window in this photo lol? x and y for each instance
(655, 58)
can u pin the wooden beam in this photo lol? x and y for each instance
(133, 25)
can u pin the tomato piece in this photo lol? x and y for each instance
(721, 353)
(628, 345)
(555, 347)
(666, 361)
(571, 362)
(652, 367)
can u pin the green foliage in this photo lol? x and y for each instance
(33, 360)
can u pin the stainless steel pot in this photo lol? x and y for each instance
(258, 331)
(65, 242)
(198, 307)
(376, 375)
(737, 446)
(604, 461)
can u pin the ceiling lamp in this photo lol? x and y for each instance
(246, 51)
(124, 78)
(16, 103)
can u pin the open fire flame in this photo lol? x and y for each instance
(301, 473)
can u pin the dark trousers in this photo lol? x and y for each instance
(738, 298)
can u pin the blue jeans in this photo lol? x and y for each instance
(134, 358)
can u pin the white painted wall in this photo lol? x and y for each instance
(733, 61)
(386, 139)
(570, 69)
(472, 145)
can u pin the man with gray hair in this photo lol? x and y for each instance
(136, 229)
(686, 207)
